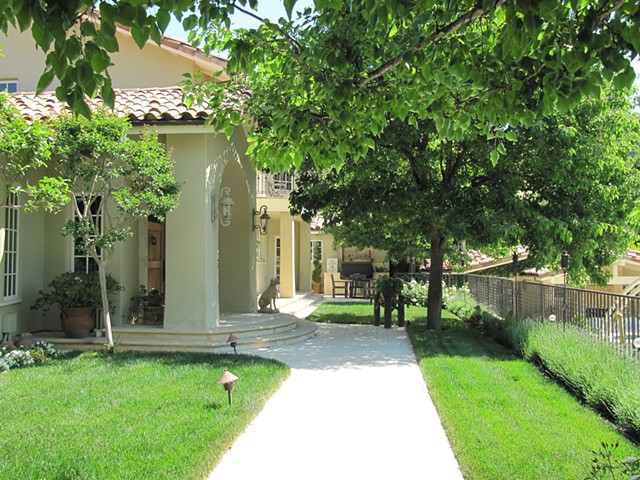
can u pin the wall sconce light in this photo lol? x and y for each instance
(227, 380)
(264, 220)
(225, 203)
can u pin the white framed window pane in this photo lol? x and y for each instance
(82, 261)
(11, 219)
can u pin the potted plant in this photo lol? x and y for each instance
(316, 274)
(147, 307)
(77, 294)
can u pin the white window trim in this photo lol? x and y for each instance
(87, 257)
(321, 250)
(277, 241)
(8, 82)
(11, 257)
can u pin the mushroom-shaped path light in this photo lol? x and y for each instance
(227, 380)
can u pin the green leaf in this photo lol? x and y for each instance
(511, 136)
(494, 156)
(140, 36)
(288, 6)
(45, 80)
(163, 18)
(625, 79)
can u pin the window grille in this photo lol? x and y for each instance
(82, 260)
(11, 247)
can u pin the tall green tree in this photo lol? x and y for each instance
(336, 71)
(129, 178)
(569, 183)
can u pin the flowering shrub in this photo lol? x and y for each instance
(19, 358)
(40, 352)
(416, 293)
(453, 297)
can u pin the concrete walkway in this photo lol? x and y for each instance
(354, 407)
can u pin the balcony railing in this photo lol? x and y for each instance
(275, 185)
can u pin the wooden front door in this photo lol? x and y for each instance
(155, 256)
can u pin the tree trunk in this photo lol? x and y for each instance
(388, 310)
(105, 303)
(434, 300)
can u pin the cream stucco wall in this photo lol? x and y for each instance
(133, 68)
(15, 314)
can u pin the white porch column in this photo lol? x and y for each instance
(305, 257)
(191, 301)
(287, 257)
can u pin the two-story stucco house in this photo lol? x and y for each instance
(205, 268)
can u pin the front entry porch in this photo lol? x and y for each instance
(251, 329)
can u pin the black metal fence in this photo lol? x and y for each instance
(609, 317)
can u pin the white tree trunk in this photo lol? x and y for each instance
(105, 302)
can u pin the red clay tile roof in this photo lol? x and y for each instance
(138, 104)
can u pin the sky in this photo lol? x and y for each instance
(272, 9)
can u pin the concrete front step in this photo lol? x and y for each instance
(255, 330)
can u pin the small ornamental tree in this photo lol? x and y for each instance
(129, 179)
(23, 147)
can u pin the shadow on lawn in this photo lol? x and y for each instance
(456, 340)
(185, 358)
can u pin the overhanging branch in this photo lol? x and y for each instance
(440, 34)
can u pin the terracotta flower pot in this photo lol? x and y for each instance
(77, 322)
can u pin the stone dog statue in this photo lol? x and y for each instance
(267, 301)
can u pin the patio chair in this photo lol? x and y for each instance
(339, 286)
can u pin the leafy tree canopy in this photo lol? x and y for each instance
(570, 182)
(24, 147)
(327, 81)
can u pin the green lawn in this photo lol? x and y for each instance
(504, 418)
(129, 415)
(360, 313)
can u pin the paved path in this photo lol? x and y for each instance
(354, 407)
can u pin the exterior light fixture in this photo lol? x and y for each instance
(233, 341)
(226, 380)
(225, 204)
(264, 218)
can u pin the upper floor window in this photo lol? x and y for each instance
(283, 182)
(11, 247)
(10, 86)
